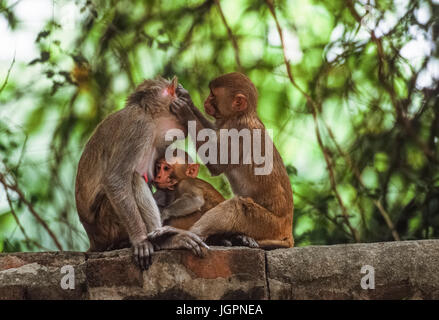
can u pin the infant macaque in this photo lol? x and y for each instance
(181, 197)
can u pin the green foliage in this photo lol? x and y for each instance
(379, 125)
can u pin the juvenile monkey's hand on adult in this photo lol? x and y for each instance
(182, 110)
(143, 253)
(183, 94)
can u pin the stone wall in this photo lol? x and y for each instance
(402, 270)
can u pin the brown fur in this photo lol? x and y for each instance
(194, 185)
(114, 203)
(263, 204)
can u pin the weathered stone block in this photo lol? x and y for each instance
(403, 270)
(113, 268)
(237, 273)
(38, 275)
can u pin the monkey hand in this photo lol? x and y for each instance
(172, 238)
(159, 233)
(142, 253)
(182, 110)
(183, 94)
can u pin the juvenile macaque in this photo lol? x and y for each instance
(114, 203)
(181, 196)
(263, 204)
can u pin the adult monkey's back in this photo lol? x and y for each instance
(115, 204)
(263, 204)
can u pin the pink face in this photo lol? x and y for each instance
(163, 175)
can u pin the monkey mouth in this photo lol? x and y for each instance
(211, 110)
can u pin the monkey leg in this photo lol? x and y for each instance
(274, 244)
(241, 215)
(106, 231)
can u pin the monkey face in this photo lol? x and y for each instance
(211, 103)
(219, 104)
(164, 177)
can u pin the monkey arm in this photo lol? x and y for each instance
(160, 199)
(196, 114)
(146, 203)
(118, 189)
(122, 181)
(216, 168)
(186, 111)
(184, 205)
(205, 123)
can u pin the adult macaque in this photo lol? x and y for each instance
(263, 204)
(183, 198)
(114, 203)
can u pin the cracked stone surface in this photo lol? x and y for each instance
(402, 270)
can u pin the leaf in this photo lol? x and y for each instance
(291, 170)
(50, 73)
(45, 55)
(42, 35)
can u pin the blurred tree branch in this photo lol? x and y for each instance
(314, 110)
(14, 187)
(5, 82)
(231, 36)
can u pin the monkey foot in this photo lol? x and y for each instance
(243, 240)
(225, 243)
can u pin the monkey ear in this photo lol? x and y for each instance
(192, 170)
(239, 102)
(173, 86)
